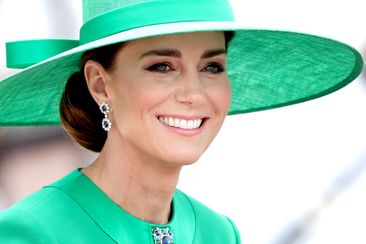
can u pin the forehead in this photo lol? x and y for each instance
(205, 40)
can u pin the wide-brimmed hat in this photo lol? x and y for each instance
(267, 68)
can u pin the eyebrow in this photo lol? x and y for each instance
(213, 53)
(163, 52)
(174, 53)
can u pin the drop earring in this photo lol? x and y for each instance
(106, 123)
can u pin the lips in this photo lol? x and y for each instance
(187, 124)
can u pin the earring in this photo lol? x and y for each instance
(106, 123)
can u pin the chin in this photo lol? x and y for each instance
(183, 160)
(189, 162)
(181, 155)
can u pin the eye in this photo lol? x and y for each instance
(160, 67)
(214, 68)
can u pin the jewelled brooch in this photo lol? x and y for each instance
(163, 236)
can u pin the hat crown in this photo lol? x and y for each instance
(93, 8)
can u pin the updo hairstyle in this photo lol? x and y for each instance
(80, 114)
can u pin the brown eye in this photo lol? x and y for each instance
(160, 67)
(214, 68)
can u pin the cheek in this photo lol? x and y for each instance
(146, 98)
(134, 102)
(220, 96)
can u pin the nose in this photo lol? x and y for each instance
(190, 89)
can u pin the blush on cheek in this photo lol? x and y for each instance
(221, 100)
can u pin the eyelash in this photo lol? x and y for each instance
(219, 68)
(216, 68)
(158, 68)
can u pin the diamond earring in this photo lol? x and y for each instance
(106, 123)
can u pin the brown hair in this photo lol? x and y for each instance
(80, 114)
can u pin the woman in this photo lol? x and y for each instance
(161, 85)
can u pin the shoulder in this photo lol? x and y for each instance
(22, 223)
(42, 216)
(48, 200)
(211, 225)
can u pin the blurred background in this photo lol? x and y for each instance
(292, 175)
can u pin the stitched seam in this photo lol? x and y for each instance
(76, 203)
(195, 215)
(35, 204)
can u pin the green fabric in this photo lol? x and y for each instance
(94, 8)
(153, 13)
(21, 54)
(270, 69)
(267, 69)
(75, 210)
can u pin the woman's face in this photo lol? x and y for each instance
(169, 95)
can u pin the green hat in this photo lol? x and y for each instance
(267, 68)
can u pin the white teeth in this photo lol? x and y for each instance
(181, 123)
(190, 124)
(176, 122)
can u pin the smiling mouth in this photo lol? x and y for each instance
(187, 124)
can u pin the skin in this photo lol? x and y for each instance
(180, 76)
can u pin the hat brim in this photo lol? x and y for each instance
(267, 69)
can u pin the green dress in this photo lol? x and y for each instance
(75, 210)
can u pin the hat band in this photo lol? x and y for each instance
(154, 13)
(21, 54)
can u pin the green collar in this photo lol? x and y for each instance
(116, 222)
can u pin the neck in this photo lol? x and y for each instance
(141, 186)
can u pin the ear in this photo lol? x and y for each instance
(97, 79)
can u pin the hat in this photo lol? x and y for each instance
(267, 68)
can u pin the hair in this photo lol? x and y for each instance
(80, 114)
